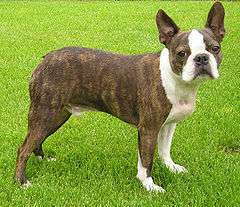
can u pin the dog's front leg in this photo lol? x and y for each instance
(146, 144)
(164, 147)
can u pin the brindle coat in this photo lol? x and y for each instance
(128, 87)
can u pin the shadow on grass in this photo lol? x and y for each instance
(231, 146)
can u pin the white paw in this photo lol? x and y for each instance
(150, 186)
(39, 157)
(27, 184)
(175, 168)
(51, 159)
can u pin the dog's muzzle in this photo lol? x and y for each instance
(202, 65)
(201, 60)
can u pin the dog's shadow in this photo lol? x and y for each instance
(94, 165)
(85, 159)
(84, 163)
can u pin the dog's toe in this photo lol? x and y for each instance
(179, 169)
(27, 184)
(151, 187)
(39, 157)
(175, 168)
(51, 159)
(157, 189)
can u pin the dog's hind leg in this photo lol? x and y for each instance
(60, 119)
(44, 119)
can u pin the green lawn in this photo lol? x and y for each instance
(97, 154)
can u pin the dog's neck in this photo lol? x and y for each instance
(182, 95)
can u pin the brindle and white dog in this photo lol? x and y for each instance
(151, 91)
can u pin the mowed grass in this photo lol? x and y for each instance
(97, 153)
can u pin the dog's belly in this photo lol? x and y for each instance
(78, 110)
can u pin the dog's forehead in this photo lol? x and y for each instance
(195, 39)
(208, 36)
(180, 39)
(192, 39)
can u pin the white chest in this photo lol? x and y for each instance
(180, 111)
(181, 95)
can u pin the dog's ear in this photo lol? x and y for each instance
(215, 20)
(166, 27)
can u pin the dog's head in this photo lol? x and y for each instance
(194, 55)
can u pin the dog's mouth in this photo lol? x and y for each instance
(203, 73)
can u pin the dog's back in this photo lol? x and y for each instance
(88, 77)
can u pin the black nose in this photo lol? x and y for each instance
(201, 59)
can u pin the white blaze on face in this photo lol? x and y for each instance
(196, 43)
(197, 46)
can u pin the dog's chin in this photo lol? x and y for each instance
(203, 75)
(200, 76)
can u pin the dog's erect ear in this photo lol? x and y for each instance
(166, 27)
(215, 20)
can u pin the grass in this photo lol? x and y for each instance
(97, 154)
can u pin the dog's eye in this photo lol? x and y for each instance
(216, 49)
(181, 54)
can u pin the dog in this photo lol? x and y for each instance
(153, 92)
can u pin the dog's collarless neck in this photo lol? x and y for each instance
(181, 95)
